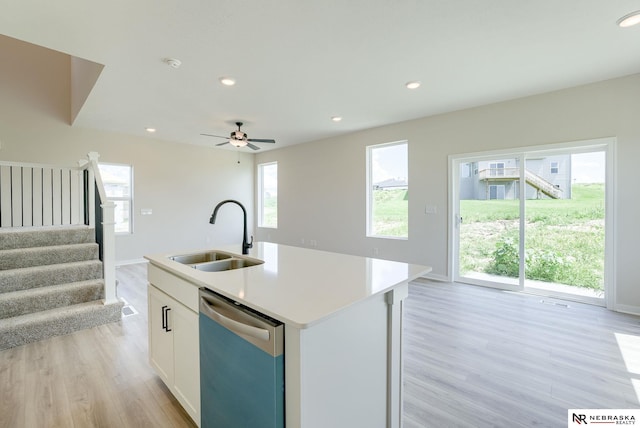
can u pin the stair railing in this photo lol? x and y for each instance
(34, 195)
(100, 213)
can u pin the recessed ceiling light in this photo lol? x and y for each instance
(629, 20)
(336, 118)
(228, 81)
(152, 130)
(413, 85)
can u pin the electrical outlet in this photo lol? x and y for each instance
(376, 252)
(313, 243)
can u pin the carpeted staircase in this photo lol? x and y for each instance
(50, 283)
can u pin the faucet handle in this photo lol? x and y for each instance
(250, 244)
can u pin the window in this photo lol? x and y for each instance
(555, 167)
(268, 195)
(465, 170)
(118, 184)
(388, 190)
(497, 169)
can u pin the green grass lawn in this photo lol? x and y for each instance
(390, 213)
(270, 211)
(565, 237)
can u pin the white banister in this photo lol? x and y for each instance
(108, 230)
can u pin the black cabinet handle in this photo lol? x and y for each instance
(164, 318)
(167, 318)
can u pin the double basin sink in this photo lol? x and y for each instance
(215, 261)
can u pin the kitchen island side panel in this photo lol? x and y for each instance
(337, 371)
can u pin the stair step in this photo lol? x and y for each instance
(42, 276)
(28, 328)
(46, 236)
(38, 256)
(44, 298)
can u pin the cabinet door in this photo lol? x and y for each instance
(160, 340)
(186, 347)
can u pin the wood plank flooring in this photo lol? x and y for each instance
(98, 377)
(477, 357)
(474, 357)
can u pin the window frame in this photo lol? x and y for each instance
(554, 165)
(261, 195)
(128, 199)
(370, 188)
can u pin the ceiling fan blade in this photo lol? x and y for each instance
(222, 144)
(260, 140)
(254, 147)
(211, 135)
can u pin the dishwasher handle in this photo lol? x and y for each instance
(233, 325)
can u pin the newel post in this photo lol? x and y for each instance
(108, 234)
(109, 251)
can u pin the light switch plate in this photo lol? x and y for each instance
(430, 209)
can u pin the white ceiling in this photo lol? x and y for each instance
(299, 62)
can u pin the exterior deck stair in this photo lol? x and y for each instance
(50, 283)
(542, 185)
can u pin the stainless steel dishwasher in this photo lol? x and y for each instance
(241, 365)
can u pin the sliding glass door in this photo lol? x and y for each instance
(489, 220)
(535, 220)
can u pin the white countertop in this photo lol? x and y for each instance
(298, 286)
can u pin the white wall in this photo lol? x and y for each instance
(321, 193)
(181, 183)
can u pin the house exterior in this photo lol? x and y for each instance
(546, 177)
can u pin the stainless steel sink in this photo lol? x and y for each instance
(215, 261)
(228, 264)
(209, 256)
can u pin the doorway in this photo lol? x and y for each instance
(535, 220)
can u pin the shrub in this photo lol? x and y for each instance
(543, 265)
(505, 260)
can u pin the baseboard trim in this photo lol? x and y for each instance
(628, 309)
(130, 262)
(436, 277)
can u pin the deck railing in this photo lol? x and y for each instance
(511, 174)
(35, 195)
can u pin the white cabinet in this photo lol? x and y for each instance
(174, 350)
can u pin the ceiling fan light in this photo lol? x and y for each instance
(238, 143)
(629, 20)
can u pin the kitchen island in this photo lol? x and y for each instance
(342, 318)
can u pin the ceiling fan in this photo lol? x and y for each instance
(240, 139)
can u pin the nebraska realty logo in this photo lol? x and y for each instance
(599, 417)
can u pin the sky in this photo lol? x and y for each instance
(588, 168)
(389, 162)
(270, 178)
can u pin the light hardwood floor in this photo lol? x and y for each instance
(98, 377)
(477, 357)
(474, 357)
